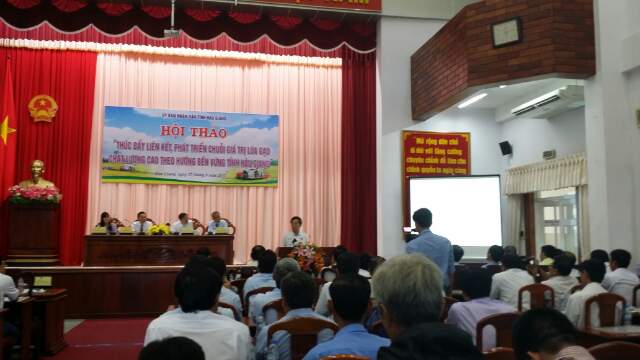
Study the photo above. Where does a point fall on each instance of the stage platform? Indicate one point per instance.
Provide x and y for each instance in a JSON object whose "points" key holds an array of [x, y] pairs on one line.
{"points": [[115, 291]]}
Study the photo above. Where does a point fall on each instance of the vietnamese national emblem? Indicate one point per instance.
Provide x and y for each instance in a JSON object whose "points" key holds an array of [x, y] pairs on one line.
{"points": [[42, 108]]}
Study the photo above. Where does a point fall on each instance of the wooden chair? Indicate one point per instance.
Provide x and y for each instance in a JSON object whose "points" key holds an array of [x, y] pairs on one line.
{"points": [[233, 308], [251, 293], [277, 306], [503, 323], [607, 307], [538, 296], [303, 332], [615, 350], [198, 225], [230, 225], [344, 357], [500, 354], [446, 305], [576, 288], [636, 298], [238, 284]]}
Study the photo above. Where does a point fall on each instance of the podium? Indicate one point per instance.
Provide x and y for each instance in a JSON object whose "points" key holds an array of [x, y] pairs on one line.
{"points": [[33, 234]]}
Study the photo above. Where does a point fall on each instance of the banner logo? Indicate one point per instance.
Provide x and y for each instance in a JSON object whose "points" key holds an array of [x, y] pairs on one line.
{"points": [[43, 108]]}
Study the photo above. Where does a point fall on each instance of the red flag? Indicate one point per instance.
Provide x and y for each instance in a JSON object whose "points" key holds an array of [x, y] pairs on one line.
{"points": [[8, 123]]}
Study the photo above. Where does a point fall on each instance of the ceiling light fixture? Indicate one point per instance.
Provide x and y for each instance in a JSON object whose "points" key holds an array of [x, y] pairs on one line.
{"points": [[502, 86], [472, 100]]}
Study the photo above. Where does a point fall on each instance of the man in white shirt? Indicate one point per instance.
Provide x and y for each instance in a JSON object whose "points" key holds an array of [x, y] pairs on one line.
{"points": [[348, 263], [494, 256], [264, 276], [601, 255], [283, 268], [561, 281], [295, 236], [298, 292], [7, 286], [591, 274], [506, 285], [182, 224], [197, 290], [141, 225], [620, 280], [227, 295], [216, 222]]}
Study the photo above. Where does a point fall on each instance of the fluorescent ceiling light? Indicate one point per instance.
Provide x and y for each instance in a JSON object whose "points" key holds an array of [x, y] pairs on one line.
{"points": [[503, 86], [472, 100]]}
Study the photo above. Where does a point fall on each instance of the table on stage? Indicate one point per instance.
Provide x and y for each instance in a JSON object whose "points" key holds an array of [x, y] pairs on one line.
{"points": [[152, 250]]}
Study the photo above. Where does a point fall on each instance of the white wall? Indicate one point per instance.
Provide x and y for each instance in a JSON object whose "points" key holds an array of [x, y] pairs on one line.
{"points": [[427, 9], [564, 133]]}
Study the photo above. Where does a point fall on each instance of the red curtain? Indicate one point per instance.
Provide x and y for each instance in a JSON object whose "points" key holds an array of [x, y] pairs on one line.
{"points": [[63, 144], [358, 219]]}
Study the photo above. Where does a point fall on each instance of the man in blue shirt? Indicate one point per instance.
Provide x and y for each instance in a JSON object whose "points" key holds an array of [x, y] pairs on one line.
{"points": [[350, 299], [264, 277], [436, 248]]}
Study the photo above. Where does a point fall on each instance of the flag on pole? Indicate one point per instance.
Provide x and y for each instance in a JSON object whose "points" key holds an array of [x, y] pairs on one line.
{"points": [[8, 123]]}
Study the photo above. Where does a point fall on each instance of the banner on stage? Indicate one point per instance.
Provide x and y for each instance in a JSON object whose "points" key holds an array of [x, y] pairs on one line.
{"points": [[153, 146], [435, 154]]}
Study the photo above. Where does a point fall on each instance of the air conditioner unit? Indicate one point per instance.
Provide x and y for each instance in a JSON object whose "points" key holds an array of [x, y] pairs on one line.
{"points": [[552, 103]]}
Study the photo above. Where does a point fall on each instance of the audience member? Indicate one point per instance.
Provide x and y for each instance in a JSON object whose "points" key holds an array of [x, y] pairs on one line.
{"points": [[409, 289], [283, 268], [365, 259], [620, 280], [510, 250], [573, 260], [476, 284], [256, 252], [298, 293], [505, 285], [458, 253], [197, 289], [375, 263], [173, 348], [560, 281], [542, 334], [204, 252], [7, 285], [264, 276], [227, 295], [547, 254], [602, 256], [348, 263], [591, 274], [494, 256], [437, 248], [350, 299]]}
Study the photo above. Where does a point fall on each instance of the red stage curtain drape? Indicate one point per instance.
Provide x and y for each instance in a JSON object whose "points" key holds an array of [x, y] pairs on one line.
{"points": [[68, 77], [359, 208]]}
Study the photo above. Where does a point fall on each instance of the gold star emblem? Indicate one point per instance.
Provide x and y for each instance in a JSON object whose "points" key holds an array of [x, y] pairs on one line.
{"points": [[5, 130], [43, 103]]}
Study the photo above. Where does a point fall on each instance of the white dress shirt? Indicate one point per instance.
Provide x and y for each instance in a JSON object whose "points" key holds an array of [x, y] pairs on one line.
{"points": [[290, 239], [575, 305], [137, 227], [505, 286], [230, 297], [257, 281], [176, 227], [621, 281], [220, 337], [7, 288], [258, 302], [322, 306], [561, 286], [364, 273], [213, 225]]}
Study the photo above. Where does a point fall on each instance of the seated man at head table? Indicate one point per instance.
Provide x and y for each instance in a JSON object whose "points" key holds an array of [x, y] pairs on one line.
{"points": [[183, 225], [216, 222], [296, 236], [142, 224]]}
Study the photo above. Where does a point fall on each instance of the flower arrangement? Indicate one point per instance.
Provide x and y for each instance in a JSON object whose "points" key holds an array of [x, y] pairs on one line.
{"points": [[34, 194], [309, 257], [160, 229]]}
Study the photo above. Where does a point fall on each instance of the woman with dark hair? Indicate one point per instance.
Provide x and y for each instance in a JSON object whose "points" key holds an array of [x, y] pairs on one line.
{"points": [[110, 224]]}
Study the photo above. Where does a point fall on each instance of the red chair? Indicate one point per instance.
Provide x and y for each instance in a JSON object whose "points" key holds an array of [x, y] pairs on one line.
{"points": [[503, 323], [447, 302], [303, 332], [277, 306], [607, 307], [500, 354], [538, 296], [615, 350]]}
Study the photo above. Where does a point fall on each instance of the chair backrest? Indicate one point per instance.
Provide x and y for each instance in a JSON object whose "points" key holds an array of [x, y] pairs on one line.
{"points": [[615, 350], [238, 284], [538, 296], [447, 302], [257, 291], [636, 298], [576, 288], [277, 306], [344, 357], [198, 225], [230, 225], [233, 308], [607, 306], [503, 323], [500, 353], [303, 332]]}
